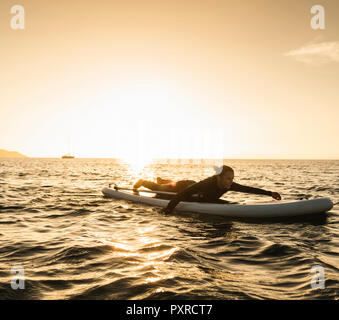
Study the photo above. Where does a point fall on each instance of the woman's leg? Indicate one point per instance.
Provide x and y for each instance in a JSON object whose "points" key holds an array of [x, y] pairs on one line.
{"points": [[168, 187], [157, 187], [164, 181]]}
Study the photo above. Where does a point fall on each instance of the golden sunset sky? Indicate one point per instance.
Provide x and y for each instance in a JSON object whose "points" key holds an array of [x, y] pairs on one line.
{"points": [[169, 79]]}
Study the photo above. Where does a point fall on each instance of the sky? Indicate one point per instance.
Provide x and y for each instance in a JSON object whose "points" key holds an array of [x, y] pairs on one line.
{"points": [[170, 79]]}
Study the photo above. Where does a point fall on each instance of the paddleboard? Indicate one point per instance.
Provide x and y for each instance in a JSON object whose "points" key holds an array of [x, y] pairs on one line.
{"points": [[270, 209]]}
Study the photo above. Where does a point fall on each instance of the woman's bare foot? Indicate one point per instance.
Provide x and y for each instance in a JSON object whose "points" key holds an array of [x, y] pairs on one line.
{"points": [[159, 180], [138, 184]]}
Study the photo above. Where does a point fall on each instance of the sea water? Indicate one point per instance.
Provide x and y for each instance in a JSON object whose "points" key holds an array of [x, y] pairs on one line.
{"points": [[70, 242]]}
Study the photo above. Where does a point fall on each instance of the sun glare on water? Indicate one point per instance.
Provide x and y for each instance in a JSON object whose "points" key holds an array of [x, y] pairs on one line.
{"points": [[137, 164]]}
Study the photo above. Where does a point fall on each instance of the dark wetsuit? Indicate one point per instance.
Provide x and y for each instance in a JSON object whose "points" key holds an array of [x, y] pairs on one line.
{"points": [[175, 187], [208, 190]]}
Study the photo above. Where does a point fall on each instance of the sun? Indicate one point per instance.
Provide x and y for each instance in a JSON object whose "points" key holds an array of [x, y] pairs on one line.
{"points": [[137, 164]]}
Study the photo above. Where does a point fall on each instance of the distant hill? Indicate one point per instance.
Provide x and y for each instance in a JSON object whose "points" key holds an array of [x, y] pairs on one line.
{"points": [[10, 154]]}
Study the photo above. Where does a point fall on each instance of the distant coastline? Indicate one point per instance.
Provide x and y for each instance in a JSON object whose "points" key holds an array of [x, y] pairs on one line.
{"points": [[11, 154]]}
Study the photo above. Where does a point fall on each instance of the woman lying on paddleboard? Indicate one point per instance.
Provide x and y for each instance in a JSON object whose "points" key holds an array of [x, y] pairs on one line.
{"points": [[207, 190]]}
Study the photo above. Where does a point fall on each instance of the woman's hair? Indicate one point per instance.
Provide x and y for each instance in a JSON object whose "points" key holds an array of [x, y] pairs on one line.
{"points": [[226, 169]]}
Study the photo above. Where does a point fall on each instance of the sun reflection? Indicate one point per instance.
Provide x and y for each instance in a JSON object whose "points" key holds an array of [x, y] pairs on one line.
{"points": [[150, 263], [146, 253], [145, 230], [152, 279], [147, 240], [117, 245], [163, 255], [127, 250], [137, 164], [144, 238]]}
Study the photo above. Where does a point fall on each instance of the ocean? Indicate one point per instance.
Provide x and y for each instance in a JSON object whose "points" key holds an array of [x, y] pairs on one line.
{"points": [[67, 241]]}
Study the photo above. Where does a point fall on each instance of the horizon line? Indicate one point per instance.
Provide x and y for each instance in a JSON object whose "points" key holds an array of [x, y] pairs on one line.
{"points": [[174, 159]]}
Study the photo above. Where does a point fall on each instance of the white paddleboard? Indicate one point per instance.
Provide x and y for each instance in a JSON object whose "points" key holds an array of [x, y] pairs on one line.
{"points": [[270, 209]]}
